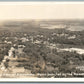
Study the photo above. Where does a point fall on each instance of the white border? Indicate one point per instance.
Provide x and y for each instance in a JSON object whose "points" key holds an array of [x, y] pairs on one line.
{"points": [[39, 3], [40, 79]]}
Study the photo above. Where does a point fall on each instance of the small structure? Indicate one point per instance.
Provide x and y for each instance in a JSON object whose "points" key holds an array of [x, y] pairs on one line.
{"points": [[37, 42], [24, 39], [72, 37]]}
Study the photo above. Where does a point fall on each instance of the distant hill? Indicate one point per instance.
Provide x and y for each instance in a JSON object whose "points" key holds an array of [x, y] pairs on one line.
{"points": [[41, 25]]}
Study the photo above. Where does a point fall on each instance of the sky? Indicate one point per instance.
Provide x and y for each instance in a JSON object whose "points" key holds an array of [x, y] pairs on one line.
{"points": [[41, 10]]}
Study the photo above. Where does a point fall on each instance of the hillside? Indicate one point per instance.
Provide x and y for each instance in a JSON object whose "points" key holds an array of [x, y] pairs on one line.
{"points": [[28, 48]]}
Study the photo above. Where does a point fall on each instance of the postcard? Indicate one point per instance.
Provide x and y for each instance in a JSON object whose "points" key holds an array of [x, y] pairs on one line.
{"points": [[42, 41]]}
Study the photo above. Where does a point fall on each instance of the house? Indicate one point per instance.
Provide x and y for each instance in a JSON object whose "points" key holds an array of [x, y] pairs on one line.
{"points": [[53, 45], [37, 42], [24, 39], [46, 42], [8, 42], [41, 36], [25, 34], [21, 46], [72, 37]]}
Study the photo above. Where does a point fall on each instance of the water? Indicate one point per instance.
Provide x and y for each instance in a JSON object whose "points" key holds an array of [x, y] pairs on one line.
{"points": [[78, 50], [76, 28]]}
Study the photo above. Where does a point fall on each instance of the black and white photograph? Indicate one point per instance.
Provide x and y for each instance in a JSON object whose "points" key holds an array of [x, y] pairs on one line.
{"points": [[41, 40]]}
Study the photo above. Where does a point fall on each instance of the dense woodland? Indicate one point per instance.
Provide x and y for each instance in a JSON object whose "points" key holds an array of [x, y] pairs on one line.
{"points": [[39, 58]]}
